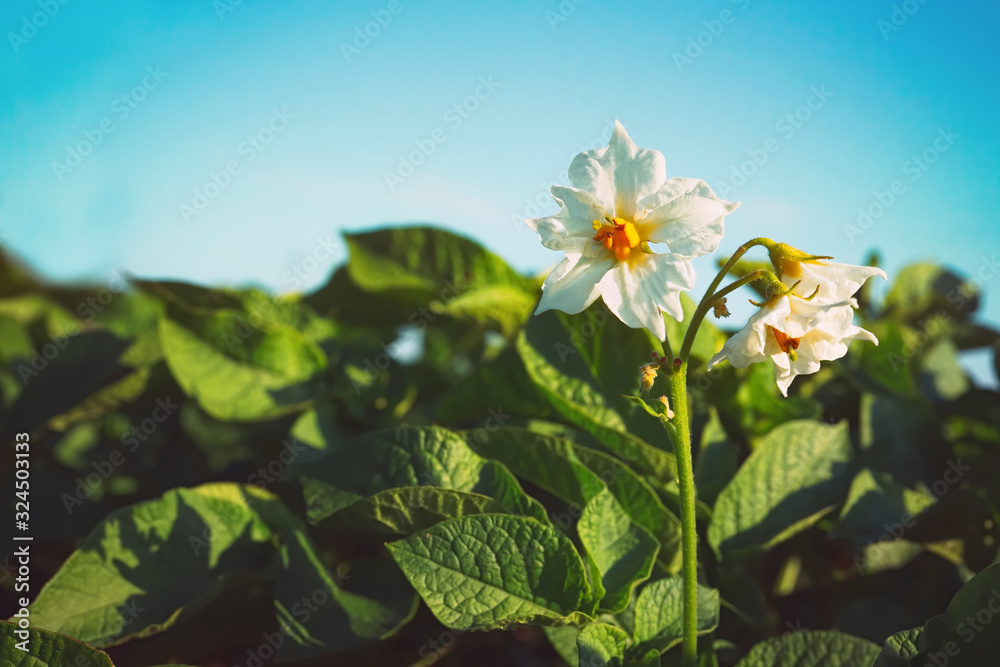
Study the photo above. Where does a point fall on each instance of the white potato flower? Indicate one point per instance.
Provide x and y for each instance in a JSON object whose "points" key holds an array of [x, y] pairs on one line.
{"points": [[834, 282], [796, 334], [620, 202]]}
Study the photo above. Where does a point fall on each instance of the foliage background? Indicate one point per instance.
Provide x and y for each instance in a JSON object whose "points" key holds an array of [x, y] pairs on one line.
{"points": [[805, 502]]}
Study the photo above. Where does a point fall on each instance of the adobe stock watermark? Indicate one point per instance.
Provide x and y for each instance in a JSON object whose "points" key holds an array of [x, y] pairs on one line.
{"points": [[697, 43], [121, 107], [533, 206], [967, 629], [563, 11], [291, 449], [248, 149], [913, 169], [454, 117], [786, 127], [899, 17], [302, 610], [366, 34], [321, 256], [31, 24]]}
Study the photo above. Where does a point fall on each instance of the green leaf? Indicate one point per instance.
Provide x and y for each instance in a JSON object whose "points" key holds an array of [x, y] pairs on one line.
{"points": [[798, 473], [942, 377], [403, 457], [872, 504], [46, 649], [581, 405], [576, 474], [886, 365], [921, 289], [409, 509], [811, 648], [763, 408], [602, 645], [964, 635], [110, 397], [238, 373], [659, 621], [623, 552], [563, 640], [717, 460], [496, 571], [151, 565], [610, 350], [417, 266], [82, 365], [899, 648]]}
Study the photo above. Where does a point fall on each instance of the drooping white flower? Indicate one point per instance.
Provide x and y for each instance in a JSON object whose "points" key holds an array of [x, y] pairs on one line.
{"points": [[621, 201], [796, 334], [834, 281]]}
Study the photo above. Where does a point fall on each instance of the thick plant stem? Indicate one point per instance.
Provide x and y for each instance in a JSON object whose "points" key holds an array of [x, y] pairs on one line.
{"points": [[689, 535]]}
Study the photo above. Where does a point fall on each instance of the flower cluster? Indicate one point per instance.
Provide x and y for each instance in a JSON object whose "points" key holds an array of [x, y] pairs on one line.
{"points": [[629, 234]]}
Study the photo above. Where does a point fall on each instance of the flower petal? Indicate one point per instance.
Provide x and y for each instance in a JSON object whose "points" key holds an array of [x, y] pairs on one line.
{"points": [[639, 291], [835, 281], [620, 174], [572, 228], [750, 344], [686, 215], [834, 319], [574, 284]]}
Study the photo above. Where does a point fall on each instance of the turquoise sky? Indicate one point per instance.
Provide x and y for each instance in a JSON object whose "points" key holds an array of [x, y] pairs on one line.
{"points": [[837, 101]]}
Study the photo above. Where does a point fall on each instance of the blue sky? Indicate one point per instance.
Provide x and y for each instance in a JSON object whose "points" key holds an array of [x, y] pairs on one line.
{"points": [[300, 116]]}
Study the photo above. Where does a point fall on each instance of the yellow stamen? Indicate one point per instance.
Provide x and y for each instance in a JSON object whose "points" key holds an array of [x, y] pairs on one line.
{"points": [[618, 237]]}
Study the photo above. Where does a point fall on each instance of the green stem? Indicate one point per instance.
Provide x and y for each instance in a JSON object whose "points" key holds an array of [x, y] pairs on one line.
{"points": [[709, 301], [689, 535], [681, 436], [710, 297]]}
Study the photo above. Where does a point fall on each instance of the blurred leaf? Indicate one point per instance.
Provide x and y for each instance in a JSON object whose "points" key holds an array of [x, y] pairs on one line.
{"points": [[886, 365], [717, 460], [960, 636], [238, 373], [798, 473], [659, 614], [496, 571], [874, 504], [46, 649], [106, 399], [762, 408], [897, 436], [812, 648], [601, 645], [444, 272], [57, 382], [941, 376], [920, 289]]}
